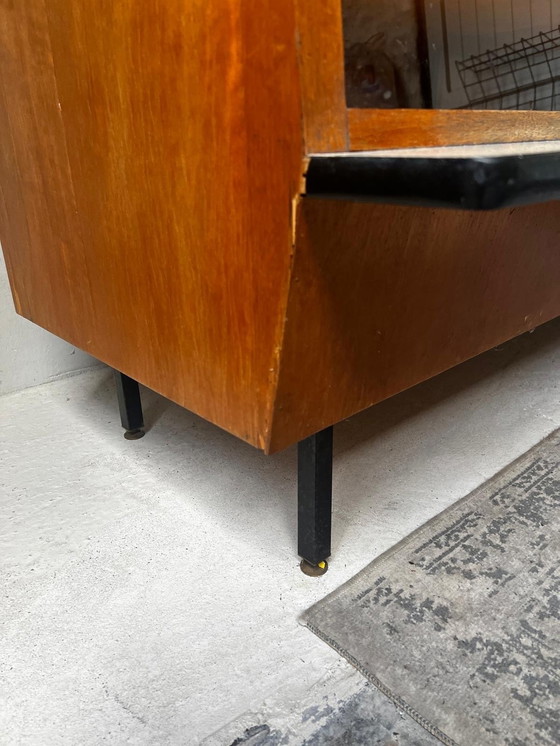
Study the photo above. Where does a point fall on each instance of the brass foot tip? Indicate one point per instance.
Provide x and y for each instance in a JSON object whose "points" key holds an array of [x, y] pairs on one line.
{"points": [[314, 571]]}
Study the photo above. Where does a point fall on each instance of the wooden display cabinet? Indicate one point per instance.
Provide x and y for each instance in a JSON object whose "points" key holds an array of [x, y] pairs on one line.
{"points": [[155, 213]]}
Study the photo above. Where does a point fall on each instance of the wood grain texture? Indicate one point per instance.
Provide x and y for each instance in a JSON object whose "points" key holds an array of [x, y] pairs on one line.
{"points": [[371, 129], [41, 234], [151, 155], [150, 167], [383, 298], [321, 64]]}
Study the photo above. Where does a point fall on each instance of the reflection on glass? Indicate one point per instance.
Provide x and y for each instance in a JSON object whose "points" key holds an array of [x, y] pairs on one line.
{"points": [[449, 54]]}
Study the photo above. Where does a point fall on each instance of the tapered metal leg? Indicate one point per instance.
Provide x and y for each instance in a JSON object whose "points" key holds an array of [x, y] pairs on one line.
{"points": [[130, 406], [315, 455]]}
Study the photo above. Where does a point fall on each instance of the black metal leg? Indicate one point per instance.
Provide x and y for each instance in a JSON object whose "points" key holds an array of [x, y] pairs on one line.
{"points": [[315, 456], [130, 406]]}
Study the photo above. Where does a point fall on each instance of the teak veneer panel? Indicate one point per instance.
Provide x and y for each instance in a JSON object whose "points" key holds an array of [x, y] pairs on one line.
{"points": [[321, 63], [41, 233], [151, 153], [151, 165], [371, 129], [385, 297]]}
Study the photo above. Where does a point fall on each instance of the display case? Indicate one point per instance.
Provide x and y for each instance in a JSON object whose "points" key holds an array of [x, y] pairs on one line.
{"points": [[207, 197], [446, 62]]}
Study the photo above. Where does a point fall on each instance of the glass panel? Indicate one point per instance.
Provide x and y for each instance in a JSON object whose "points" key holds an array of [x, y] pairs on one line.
{"points": [[452, 54]]}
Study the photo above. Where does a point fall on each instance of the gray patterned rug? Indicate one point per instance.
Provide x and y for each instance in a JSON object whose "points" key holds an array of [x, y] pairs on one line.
{"points": [[459, 623]]}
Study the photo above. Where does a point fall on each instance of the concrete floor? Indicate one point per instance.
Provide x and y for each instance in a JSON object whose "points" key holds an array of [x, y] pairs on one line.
{"points": [[151, 589]]}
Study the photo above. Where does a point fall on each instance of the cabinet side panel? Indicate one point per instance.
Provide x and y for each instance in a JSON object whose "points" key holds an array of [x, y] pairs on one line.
{"points": [[383, 298], [182, 124], [40, 230]]}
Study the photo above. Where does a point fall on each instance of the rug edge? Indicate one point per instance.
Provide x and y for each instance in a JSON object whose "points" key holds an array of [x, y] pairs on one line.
{"points": [[378, 684]]}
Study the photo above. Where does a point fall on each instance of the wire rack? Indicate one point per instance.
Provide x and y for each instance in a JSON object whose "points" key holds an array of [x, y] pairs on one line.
{"points": [[522, 75]]}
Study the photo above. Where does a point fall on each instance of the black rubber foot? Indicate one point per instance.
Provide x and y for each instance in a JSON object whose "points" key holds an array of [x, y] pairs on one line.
{"points": [[134, 434], [313, 571]]}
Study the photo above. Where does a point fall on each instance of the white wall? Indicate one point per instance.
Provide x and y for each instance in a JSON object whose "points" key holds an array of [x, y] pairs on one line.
{"points": [[28, 354]]}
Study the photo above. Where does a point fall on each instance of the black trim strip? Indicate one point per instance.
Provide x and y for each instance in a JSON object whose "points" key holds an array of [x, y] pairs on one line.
{"points": [[457, 183]]}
